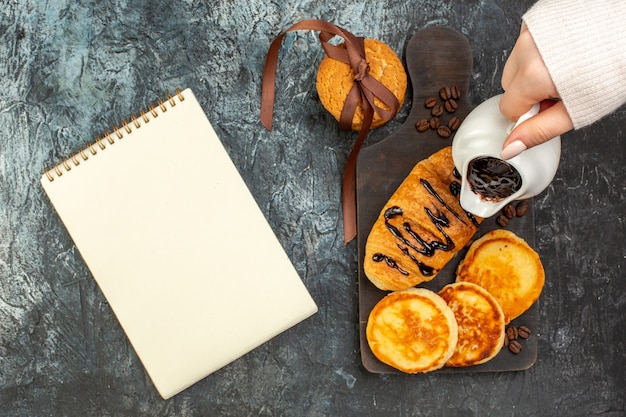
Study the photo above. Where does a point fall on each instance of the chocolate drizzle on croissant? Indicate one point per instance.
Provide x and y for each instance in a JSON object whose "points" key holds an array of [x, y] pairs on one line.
{"points": [[440, 221], [420, 228]]}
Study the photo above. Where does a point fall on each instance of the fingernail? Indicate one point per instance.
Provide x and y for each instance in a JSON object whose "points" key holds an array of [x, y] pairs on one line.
{"points": [[513, 149]]}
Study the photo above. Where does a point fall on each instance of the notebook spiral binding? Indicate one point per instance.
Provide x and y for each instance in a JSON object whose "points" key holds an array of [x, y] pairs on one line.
{"points": [[111, 137]]}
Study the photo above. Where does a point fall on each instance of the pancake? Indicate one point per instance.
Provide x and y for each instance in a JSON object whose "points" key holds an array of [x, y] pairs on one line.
{"points": [[480, 320], [412, 330], [420, 228], [505, 265]]}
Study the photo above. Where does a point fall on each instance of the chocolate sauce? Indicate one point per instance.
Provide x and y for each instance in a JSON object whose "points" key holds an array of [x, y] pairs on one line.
{"points": [[432, 192], [379, 257], [455, 188], [436, 216], [425, 270], [439, 219], [472, 218], [493, 179]]}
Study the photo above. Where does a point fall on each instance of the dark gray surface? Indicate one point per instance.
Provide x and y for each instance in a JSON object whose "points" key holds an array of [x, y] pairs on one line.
{"points": [[68, 71]]}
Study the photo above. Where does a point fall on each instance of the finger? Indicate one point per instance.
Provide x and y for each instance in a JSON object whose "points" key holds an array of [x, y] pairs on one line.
{"points": [[516, 100], [546, 125], [511, 67]]}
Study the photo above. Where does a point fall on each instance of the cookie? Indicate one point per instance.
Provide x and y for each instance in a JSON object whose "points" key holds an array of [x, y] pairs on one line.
{"points": [[335, 80]]}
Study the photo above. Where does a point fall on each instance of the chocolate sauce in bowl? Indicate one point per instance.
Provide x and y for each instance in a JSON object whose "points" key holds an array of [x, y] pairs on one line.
{"points": [[493, 179]]}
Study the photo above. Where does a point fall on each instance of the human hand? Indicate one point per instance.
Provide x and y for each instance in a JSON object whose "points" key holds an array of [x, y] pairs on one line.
{"points": [[526, 81]]}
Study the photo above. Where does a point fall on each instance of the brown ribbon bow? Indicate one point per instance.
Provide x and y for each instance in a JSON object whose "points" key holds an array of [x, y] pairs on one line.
{"points": [[365, 89]]}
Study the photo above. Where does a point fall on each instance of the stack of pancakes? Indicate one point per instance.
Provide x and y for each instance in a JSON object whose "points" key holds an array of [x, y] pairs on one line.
{"points": [[418, 330]]}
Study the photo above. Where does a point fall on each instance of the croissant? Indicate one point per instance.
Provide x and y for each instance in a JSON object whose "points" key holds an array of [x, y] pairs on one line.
{"points": [[420, 228]]}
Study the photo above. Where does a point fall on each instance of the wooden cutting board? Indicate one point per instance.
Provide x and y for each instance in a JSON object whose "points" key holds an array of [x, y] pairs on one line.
{"points": [[435, 57]]}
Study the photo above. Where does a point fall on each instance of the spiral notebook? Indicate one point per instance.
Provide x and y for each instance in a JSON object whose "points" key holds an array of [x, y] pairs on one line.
{"points": [[177, 244]]}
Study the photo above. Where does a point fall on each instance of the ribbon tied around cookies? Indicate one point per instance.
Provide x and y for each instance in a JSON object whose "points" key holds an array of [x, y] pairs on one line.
{"points": [[365, 90]]}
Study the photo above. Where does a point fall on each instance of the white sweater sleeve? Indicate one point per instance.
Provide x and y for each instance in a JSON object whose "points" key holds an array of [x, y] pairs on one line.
{"points": [[583, 44]]}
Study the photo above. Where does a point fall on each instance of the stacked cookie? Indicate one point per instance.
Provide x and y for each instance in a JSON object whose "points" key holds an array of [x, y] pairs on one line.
{"points": [[335, 80]]}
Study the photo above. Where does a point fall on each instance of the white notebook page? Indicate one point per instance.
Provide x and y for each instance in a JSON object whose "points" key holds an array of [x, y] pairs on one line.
{"points": [[178, 246]]}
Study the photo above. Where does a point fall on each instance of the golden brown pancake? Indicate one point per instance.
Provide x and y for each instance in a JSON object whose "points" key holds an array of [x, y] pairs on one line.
{"points": [[480, 320], [505, 265], [420, 228], [412, 330]]}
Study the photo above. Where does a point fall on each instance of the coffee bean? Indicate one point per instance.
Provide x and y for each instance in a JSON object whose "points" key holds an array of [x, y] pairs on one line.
{"points": [[515, 346], [454, 123], [509, 211], [450, 105], [430, 102], [502, 220], [524, 332], [455, 92], [521, 208], [512, 332], [445, 93], [444, 131], [506, 341], [434, 122], [437, 110], [422, 125]]}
